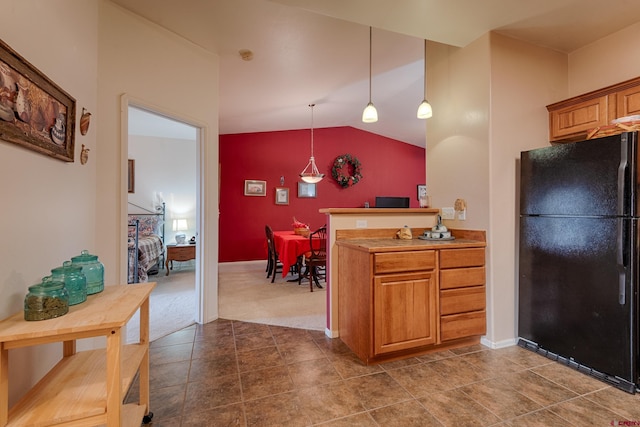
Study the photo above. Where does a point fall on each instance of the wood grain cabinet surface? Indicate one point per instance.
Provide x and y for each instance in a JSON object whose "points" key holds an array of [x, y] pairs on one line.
{"points": [[412, 299], [572, 119]]}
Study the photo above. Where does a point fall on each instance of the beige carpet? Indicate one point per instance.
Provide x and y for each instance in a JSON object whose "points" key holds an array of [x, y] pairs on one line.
{"points": [[171, 305], [244, 294]]}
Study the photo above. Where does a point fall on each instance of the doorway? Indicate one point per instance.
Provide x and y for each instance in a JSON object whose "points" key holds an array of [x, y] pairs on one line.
{"points": [[164, 151]]}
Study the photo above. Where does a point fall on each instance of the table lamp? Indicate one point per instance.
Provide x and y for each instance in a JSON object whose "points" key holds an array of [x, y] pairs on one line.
{"points": [[180, 225]]}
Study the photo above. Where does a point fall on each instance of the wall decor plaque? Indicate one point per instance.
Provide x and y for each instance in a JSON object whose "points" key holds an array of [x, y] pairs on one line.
{"points": [[34, 112]]}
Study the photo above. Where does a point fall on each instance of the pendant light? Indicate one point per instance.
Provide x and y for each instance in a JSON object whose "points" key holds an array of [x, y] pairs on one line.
{"points": [[370, 114], [310, 173], [424, 109]]}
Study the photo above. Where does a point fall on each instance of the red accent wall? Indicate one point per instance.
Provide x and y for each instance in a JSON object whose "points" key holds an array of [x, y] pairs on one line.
{"points": [[389, 168]]}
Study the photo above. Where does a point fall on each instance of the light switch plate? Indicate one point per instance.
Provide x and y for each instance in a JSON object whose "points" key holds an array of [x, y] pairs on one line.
{"points": [[448, 213], [361, 223]]}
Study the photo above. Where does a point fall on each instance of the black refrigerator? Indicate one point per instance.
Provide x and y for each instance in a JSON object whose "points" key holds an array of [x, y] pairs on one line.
{"points": [[578, 260]]}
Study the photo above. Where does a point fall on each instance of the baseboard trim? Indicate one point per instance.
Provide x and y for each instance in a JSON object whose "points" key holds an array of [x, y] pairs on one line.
{"points": [[498, 344], [331, 334]]}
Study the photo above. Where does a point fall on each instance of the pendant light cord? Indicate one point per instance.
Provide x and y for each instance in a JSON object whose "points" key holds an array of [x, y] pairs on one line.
{"points": [[370, 59], [312, 105], [425, 69]]}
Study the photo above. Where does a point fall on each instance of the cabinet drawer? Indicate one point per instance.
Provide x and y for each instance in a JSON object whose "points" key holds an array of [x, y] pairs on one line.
{"points": [[462, 277], [395, 262], [463, 325], [452, 258], [453, 301], [183, 253]]}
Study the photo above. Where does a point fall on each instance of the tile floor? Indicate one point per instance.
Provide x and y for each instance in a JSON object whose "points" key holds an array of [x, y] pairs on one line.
{"points": [[230, 373]]}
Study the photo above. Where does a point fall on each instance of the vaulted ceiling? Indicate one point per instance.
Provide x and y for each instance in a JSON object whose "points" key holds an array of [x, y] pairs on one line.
{"points": [[310, 51]]}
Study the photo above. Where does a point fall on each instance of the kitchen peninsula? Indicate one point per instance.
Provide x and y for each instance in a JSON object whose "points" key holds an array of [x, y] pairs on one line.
{"points": [[400, 297]]}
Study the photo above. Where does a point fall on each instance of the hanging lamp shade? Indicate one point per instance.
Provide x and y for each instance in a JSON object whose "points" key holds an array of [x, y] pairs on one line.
{"points": [[424, 109], [370, 114], [310, 174]]}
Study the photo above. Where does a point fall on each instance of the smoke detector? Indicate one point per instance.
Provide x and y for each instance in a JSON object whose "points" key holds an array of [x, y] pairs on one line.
{"points": [[246, 54]]}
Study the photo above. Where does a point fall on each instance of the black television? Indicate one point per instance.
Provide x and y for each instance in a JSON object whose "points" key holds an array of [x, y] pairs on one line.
{"points": [[392, 202]]}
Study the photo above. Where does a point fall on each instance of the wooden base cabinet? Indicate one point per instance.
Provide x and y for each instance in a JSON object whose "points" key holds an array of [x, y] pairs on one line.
{"points": [[392, 303], [85, 388], [462, 293], [405, 313]]}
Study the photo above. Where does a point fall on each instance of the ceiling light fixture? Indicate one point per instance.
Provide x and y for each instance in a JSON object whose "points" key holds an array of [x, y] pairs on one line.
{"points": [[310, 173], [370, 114], [424, 109]]}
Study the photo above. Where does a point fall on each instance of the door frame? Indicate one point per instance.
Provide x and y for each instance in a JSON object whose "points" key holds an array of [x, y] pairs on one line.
{"points": [[203, 310]]}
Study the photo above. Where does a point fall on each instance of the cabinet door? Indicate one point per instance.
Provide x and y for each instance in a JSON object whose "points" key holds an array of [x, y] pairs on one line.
{"points": [[579, 118], [404, 312], [628, 102]]}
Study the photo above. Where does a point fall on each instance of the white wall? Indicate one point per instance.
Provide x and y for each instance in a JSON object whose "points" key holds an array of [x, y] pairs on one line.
{"points": [[166, 166], [489, 104], [524, 79], [167, 74], [49, 206], [607, 61]]}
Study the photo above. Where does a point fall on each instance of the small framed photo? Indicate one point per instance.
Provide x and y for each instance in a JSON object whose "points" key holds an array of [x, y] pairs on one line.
{"points": [[306, 190], [282, 196], [422, 191], [255, 188], [131, 174]]}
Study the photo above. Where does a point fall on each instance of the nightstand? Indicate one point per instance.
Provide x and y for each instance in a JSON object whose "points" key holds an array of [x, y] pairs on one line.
{"points": [[179, 253]]}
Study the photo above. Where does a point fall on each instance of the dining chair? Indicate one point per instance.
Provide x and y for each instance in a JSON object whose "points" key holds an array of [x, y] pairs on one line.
{"points": [[315, 261], [273, 262]]}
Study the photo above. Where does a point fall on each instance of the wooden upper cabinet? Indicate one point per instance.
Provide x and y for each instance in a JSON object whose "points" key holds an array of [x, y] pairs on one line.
{"points": [[573, 119], [628, 103], [579, 118]]}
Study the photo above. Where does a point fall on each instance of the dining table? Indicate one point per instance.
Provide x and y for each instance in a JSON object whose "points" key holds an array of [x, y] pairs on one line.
{"points": [[290, 246]]}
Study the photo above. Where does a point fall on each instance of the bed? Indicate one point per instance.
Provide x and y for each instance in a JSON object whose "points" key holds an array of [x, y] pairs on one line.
{"points": [[145, 243]]}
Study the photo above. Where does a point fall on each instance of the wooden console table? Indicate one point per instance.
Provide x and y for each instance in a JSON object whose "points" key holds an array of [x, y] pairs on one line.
{"points": [[85, 388]]}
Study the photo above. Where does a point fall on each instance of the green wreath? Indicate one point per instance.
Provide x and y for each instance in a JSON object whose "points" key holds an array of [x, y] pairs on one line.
{"points": [[340, 171]]}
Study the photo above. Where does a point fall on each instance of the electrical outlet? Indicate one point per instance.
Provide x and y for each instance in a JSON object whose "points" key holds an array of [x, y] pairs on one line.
{"points": [[448, 213], [361, 223], [462, 215]]}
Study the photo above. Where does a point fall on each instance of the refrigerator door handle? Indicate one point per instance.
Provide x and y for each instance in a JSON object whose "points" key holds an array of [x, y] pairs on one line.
{"points": [[622, 174], [620, 239], [622, 294], [622, 259]]}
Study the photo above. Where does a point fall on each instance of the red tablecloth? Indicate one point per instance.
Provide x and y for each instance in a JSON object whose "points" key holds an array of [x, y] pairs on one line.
{"points": [[290, 246]]}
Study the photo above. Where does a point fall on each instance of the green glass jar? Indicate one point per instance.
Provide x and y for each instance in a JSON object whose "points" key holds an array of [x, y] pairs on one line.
{"points": [[74, 280], [92, 269], [46, 300]]}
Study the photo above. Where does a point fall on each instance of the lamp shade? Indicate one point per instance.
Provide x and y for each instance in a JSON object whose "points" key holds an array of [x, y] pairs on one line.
{"points": [[180, 225], [424, 110], [370, 114]]}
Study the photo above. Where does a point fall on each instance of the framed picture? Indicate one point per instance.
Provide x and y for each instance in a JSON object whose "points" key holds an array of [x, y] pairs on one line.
{"points": [[255, 188], [34, 112], [422, 191], [131, 175], [282, 196], [306, 190]]}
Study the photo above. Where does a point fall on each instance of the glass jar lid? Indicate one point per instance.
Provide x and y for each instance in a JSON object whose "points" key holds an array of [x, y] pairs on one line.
{"points": [[84, 256], [67, 268]]}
